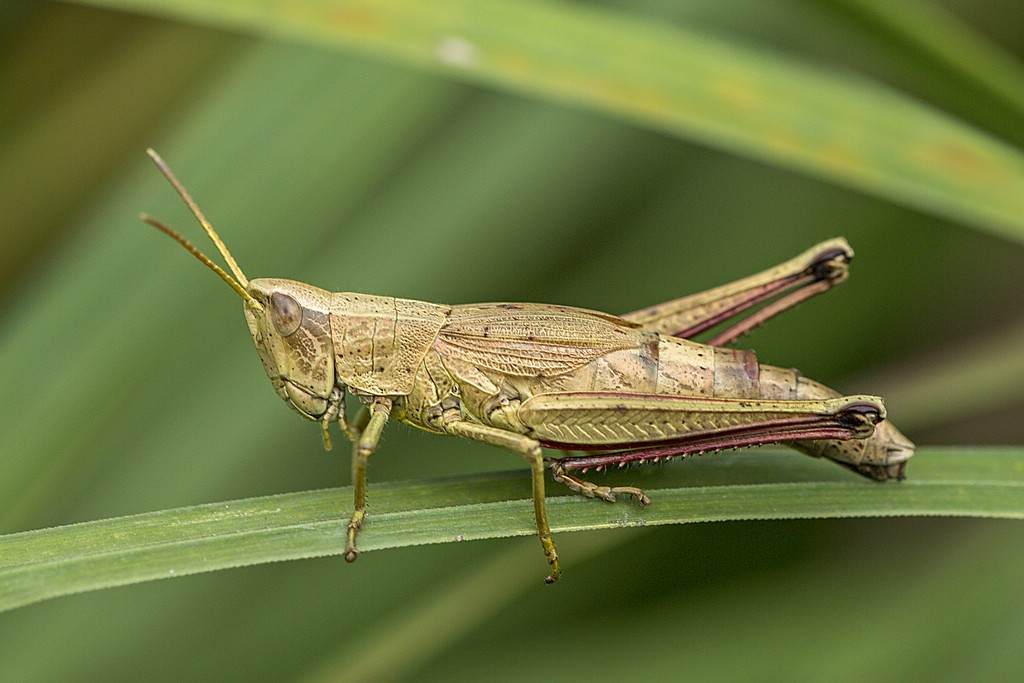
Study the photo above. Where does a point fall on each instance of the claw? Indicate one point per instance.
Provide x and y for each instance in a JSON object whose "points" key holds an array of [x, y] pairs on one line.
{"points": [[354, 525]]}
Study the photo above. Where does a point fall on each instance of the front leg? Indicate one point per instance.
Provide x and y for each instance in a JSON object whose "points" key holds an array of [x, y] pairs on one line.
{"points": [[369, 426]]}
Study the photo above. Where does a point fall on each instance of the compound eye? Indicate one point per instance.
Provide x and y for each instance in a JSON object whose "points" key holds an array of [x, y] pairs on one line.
{"points": [[285, 313]]}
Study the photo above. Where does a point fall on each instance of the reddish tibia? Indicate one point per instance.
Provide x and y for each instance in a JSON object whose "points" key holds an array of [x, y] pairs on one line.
{"points": [[809, 274]]}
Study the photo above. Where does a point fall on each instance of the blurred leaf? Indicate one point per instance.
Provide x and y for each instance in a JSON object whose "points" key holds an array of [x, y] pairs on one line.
{"points": [[939, 33], [975, 377], [717, 91], [52, 562], [59, 75]]}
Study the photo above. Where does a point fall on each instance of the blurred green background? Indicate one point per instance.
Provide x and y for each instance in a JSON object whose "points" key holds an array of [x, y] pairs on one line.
{"points": [[130, 385]]}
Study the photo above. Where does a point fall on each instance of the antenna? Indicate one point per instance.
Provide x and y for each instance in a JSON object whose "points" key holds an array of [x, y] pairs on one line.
{"points": [[239, 283]]}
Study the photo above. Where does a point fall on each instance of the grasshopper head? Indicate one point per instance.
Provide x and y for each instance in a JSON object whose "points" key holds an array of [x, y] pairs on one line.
{"points": [[289, 321], [292, 332]]}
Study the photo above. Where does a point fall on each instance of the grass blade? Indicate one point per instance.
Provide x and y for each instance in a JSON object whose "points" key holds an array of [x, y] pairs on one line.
{"points": [[51, 562]]}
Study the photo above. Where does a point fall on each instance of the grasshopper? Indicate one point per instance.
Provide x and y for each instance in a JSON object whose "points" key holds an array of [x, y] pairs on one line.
{"points": [[621, 389]]}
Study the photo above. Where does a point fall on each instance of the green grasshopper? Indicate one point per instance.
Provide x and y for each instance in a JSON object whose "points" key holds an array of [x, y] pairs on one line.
{"points": [[622, 389]]}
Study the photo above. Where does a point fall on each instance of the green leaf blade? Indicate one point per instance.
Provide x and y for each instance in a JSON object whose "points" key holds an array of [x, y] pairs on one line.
{"points": [[49, 563]]}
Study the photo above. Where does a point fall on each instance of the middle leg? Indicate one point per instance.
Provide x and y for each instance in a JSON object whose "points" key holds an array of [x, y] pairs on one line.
{"points": [[531, 450]]}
